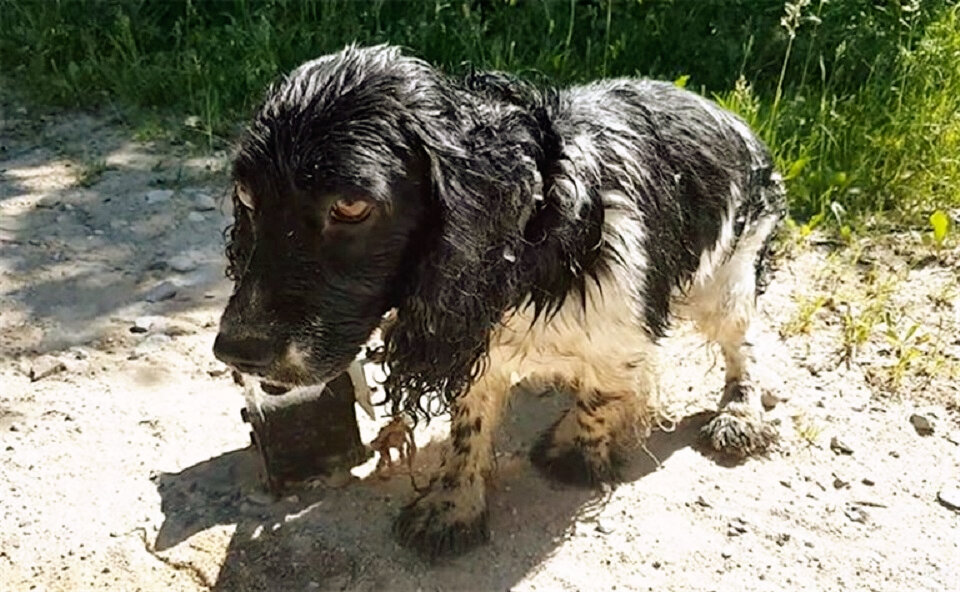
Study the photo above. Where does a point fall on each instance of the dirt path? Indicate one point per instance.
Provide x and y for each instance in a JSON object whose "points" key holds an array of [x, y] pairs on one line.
{"points": [[127, 467]]}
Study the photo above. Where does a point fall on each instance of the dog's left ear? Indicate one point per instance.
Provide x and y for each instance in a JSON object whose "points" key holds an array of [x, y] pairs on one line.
{"points": [[484, 184]]}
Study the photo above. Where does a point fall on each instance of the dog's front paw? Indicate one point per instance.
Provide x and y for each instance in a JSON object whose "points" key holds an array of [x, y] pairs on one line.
{"points": [[739, 433], [577, 462], [444, 522]]}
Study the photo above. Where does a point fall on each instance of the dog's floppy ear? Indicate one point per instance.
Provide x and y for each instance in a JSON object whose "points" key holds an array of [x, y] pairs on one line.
{"points": [[484, 183]]}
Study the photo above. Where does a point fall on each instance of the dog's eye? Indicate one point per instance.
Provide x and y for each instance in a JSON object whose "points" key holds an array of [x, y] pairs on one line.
{"points": [[244, 196], [350, 210]]}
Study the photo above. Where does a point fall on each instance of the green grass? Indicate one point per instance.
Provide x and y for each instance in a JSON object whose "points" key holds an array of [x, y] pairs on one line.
{"points": [[860, 99]]}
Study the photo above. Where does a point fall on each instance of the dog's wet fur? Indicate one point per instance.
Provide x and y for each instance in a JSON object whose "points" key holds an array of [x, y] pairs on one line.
{"points": [[518, 233]]}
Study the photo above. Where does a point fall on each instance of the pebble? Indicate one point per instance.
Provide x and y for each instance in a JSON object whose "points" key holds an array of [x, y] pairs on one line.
{"points": [[856, 514], [142, 324], [159, 196], [839, 446], [922, 424], [702, 502], [726, 553], [160, 292], [45, 366], [195, 217], [840, 482], [182, 263], [954, 437], [736, 527], [783, 538], [604, 528], [204, 203], [949, 497]]}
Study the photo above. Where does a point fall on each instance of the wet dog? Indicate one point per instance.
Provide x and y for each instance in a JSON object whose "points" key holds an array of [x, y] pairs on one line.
{"points": [[517, 232]]}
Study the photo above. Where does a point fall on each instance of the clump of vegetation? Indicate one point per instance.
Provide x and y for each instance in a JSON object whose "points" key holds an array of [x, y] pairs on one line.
{"points": [[859, 100]]}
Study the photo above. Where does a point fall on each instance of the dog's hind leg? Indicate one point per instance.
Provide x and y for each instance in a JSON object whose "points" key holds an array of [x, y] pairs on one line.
{"points": [[450, 516], [723, 308], [587, 445]]}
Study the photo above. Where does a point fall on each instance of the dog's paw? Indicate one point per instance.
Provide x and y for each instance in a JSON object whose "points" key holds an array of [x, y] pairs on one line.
{"points": [[576, 463], [443, 523], [739, 434]]}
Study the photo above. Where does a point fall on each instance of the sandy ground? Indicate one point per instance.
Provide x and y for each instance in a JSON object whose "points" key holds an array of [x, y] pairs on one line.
{"points": [[128, 466]]}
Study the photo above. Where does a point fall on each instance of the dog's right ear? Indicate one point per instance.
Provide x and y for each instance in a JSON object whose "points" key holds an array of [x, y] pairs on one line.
{"points": [[483, 184]]}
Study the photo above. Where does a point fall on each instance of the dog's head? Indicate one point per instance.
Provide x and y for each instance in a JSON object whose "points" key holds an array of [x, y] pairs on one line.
{"points": [[366, 182]]}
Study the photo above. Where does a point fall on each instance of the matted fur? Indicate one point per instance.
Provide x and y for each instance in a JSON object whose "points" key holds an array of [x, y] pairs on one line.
{"points": [[520, 233]]}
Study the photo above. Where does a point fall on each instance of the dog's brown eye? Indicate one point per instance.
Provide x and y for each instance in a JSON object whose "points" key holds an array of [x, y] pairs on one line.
{"points": [[348, 210], [244, 196]]}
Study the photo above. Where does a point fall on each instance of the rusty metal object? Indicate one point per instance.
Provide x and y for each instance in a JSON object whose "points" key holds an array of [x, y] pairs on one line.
{"points": [[305, 433]]}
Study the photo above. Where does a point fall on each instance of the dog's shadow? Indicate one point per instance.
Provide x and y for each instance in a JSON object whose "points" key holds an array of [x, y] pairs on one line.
{"points": [[339, 538]]}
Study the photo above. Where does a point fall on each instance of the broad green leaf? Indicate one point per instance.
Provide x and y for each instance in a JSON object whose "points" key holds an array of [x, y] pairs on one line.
{"points": [[941, 224], [797, 167]]}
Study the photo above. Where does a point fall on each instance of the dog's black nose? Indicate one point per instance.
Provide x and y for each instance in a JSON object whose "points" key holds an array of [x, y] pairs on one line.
{"points": [[247, 354]]}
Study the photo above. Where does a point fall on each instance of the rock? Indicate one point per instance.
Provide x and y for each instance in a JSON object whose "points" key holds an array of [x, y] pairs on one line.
{"points": [[922, 424], [840, 482], [195, 217], [953, 437], [182, 263], [160, 292], [949, 497], [868, 482], [726, 553], [604, 528], [736, 527], [702, 502], [45, 366], [159, 196], [856, 514], [202, 202], [783, 538], [142, 324], [839, 446]]}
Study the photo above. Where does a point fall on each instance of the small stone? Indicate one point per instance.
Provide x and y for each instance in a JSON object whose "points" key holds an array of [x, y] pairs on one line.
{"points": [[949, 497], [204, 203], [783, 538], [856, 514], [868, 482], [839, 446], [195, 217], [702, 502], [922, 424], [159, 196], [182, 263], [45, 366], [160, 292], [604, 528], [840, 482], [726, 553], [954, 437], [736, 527], [292, 499], [142, 324]]}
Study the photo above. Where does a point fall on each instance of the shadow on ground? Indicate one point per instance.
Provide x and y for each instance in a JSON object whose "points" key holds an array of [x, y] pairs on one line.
{"points": [[339, 538]]}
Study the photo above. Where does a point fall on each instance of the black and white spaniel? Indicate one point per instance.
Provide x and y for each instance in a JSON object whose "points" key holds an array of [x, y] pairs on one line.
{"points": [[519, 233]]}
